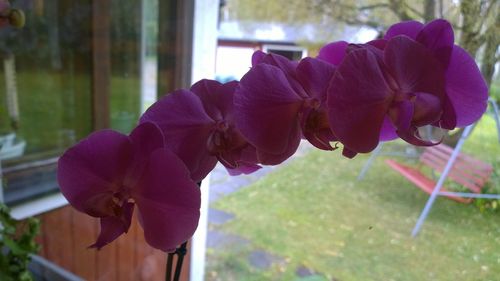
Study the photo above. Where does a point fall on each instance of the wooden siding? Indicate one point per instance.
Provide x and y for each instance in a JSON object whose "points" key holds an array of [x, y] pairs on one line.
{"points": [[66, 234]]}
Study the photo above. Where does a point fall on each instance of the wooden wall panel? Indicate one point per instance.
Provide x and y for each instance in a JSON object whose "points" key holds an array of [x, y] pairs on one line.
{"points": [[125, 254], [106, 263], [144, 264], [66, 235], [57, 237], [84, 234]]}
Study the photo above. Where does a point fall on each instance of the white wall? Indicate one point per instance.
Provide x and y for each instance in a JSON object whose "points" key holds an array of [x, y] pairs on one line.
{"points": [[203, 66]]}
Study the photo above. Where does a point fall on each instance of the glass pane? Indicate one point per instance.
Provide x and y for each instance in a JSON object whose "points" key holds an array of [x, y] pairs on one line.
{"points": [[79, 66], [75, 67], [45, 91], [322, 216], [125, 33]]}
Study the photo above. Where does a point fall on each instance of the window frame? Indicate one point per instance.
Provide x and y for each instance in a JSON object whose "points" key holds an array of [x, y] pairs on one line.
{"points": [[174, 51], [282, 47]]}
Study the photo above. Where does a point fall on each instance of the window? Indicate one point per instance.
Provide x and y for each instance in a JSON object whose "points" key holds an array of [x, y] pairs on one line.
{"points": [[78, 66], [289, 51]]}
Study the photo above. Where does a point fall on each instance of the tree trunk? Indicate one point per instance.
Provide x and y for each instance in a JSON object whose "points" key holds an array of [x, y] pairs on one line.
{"points": [[429, 10], [469, 39], [492, 40]]}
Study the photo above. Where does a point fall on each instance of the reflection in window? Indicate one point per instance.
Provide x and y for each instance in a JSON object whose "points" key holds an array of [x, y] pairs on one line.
{"points": [[45, 99], [75, 67]]}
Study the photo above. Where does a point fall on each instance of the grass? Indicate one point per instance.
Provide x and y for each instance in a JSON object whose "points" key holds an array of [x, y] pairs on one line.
{"points": [[313, 212], [55, 109]]}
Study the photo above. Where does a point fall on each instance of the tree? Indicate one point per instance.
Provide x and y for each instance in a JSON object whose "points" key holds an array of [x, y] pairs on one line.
{"points": [[477, 21]]}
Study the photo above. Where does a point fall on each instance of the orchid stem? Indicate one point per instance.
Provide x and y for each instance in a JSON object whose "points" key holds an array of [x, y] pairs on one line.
{"points": [[180, 252], [168, 274]]}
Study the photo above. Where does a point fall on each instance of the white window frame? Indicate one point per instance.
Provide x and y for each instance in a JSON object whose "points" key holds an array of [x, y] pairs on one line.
{"points": [[280, 47], [204, 47]]}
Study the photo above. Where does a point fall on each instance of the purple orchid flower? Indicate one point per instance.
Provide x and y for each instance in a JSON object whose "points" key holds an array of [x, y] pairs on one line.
{"points": [[466, 89], [4, 13], [108, 173], [199, 127], [10, 16], [279, 101], [413, 77]]}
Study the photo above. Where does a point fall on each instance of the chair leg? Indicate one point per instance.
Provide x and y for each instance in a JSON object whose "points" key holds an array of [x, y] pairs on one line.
{"points": [[370, 160], [439, 184]]}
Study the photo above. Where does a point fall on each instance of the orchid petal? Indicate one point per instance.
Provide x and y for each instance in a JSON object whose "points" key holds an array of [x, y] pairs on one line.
{"points": [[281, 62], [113, 227], [333, 52], [206, 90], [409, 28], [438, 37], [289, 69], [243, 168], [267, 109], [378, 43], [466, 88], [388, 131], [318, 141], [448, 119], [4, 12], [278, 158], [257, 57], [428, 109], [314, 75], [346, 152], [358, 100], [233, 145], [403, 113], [414, 67], [186, 127], [413, 137], [217, 98], [226, 100], [146, 138], [248, 154], [168, 201], [93, 169], [316, 129], [4, 6], [243, 160], [376, 47]]}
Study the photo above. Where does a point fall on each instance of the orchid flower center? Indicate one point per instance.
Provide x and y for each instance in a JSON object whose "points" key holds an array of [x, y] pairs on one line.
{"points": [[107, 204], [221, 125], [312, 103], [118, 200], [224, 138], [317, 120], [219, 139]]}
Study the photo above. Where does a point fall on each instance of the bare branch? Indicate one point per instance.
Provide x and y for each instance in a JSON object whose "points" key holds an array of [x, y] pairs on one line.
{"points": [[488, 10], [398, 7], [356, 21], [415, 11], [373, 6]]}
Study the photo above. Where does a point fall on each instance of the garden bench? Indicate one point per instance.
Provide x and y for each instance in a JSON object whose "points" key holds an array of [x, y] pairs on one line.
{"points": [[466, 171]]}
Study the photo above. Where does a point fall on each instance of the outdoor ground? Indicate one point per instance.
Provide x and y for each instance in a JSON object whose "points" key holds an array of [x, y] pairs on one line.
{"points": [[310, 220]]}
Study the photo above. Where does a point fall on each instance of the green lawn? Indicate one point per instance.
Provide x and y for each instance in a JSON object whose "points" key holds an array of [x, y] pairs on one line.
{"points": [[313, 212], [55, 109]]}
